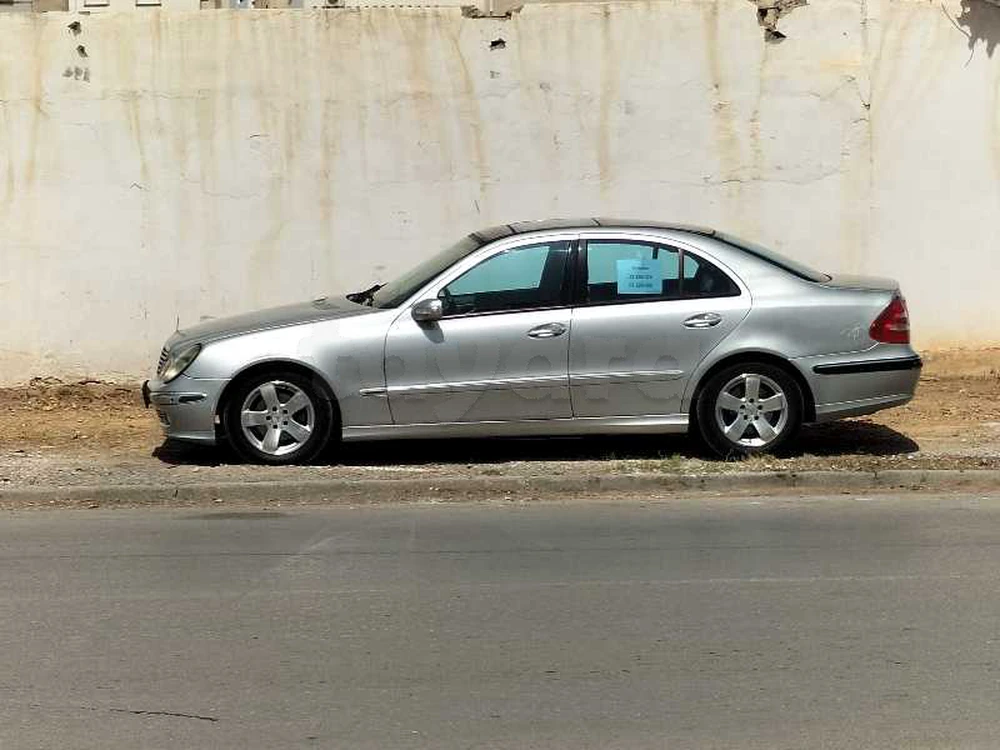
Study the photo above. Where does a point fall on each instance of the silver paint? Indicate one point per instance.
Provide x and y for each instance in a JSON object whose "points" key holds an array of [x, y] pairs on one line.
{"points": [[632, 367]]}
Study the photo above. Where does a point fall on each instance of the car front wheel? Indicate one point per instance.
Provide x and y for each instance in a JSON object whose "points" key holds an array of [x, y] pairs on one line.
{"points": [[278, 418], [748, 409]]}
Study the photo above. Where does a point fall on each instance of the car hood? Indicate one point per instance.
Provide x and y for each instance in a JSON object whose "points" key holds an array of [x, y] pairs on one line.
{"points": [[325, 308]]}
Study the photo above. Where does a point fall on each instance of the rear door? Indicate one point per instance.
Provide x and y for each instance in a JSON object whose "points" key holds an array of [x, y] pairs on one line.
{"points": [[648, 311]]}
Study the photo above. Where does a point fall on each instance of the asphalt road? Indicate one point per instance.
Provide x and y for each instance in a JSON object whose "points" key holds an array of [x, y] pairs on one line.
{"points": [[781, 623]]}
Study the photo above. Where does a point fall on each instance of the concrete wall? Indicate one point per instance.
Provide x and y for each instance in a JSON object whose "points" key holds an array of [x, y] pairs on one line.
{"points": [[206, 163]]}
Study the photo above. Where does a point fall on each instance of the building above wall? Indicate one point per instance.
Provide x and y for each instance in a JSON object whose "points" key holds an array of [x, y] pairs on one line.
{"points": [[7, 6], [118, 6], [484, 8]]}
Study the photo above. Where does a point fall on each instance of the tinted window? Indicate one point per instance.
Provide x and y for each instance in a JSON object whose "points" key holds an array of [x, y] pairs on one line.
{"points": [[631, 271], [522, 278], [702, 279], [639, 271], [775, 259]]}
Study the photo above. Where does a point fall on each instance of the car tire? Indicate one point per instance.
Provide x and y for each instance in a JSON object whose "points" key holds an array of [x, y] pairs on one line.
{"points": [[748, 409], [279, 418]]}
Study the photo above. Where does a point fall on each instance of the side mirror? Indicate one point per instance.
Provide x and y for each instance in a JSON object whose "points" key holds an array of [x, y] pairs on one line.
{"points": [[427, 311]]}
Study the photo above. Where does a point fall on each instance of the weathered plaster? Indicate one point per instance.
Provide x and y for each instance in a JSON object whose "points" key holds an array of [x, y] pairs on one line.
{"points": [[205, 163]]}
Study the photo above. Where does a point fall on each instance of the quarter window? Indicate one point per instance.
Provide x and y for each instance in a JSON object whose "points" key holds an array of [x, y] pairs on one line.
{"points": [[702, 279], [523, 278]]}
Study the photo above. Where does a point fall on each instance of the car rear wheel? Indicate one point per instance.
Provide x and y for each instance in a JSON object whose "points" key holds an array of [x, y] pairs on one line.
{"points": [[278, 418], [749, 408]]}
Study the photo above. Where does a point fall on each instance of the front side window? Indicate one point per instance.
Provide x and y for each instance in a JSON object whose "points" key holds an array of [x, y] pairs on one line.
{"points": [[523, 278]]}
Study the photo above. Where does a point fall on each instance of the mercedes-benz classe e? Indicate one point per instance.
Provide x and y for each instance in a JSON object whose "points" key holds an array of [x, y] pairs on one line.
{"points": [[561, 327]]}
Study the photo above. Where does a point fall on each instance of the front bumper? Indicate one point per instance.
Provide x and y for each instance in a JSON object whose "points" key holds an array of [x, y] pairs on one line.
{"points": [[186, 407]]}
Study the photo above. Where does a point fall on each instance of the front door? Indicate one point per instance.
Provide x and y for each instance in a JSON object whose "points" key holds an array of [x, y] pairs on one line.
{"points": [[500, 351], [649, 314]]}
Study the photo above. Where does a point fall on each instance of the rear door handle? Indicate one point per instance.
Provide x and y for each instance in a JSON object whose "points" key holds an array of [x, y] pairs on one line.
{"points": [[704, 320], [547, 331]]}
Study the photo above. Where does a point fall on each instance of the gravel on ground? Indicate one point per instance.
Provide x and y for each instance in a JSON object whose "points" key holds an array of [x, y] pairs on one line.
{"points": [[74, 434]]}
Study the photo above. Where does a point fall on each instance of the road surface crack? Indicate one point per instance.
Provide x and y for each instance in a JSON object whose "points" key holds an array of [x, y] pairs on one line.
{"points": [[134, 712], [138, 712]]}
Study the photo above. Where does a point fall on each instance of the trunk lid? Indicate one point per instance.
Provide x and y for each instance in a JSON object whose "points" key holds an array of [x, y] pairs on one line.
{"points": [[863, 283]]}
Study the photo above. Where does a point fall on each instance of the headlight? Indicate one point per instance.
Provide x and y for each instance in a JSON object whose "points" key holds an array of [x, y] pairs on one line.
{"points": [[178, 363]]}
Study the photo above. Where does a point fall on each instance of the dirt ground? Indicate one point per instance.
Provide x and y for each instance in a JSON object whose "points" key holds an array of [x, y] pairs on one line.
{"points": [[62, 433]]}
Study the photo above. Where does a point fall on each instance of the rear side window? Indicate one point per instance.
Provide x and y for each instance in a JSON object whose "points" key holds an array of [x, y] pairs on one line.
{"points": [[624, 271], [631, 271]]}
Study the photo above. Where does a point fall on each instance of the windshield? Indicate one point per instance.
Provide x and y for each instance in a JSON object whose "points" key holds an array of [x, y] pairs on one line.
{"points": [[775, 259], [396, 292]]}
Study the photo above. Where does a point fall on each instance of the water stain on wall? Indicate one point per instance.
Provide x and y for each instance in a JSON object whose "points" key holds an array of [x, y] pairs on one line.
{"points": [[39, 63], [10, 164], [206, 143], [994, 135], [471, 119], [724, 119], [980, 19], [607, 98]]}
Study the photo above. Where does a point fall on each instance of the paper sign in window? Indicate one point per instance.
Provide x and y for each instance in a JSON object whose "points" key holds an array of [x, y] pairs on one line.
{"points": [[637, 276]]}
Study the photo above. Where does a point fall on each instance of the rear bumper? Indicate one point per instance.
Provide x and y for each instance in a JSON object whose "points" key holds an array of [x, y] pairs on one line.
{"points": [[854, 388], [185, 407], [860, 407], [890, 364]]}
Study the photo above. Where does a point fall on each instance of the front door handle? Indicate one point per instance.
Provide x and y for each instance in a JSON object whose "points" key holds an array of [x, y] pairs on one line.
{"points": [[705, 320], [547, 331]]}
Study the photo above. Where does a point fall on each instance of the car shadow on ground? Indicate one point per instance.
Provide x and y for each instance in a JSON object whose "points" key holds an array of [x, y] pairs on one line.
{"points": [[832, 440]]}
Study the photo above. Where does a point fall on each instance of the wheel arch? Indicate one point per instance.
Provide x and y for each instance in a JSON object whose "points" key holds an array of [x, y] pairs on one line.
{"points": [[808, 399], [271, 365]]}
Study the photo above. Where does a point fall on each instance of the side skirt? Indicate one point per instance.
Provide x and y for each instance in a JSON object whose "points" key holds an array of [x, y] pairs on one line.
{"points": [[665, 423]]}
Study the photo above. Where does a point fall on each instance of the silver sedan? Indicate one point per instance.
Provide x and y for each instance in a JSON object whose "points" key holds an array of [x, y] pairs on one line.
{"points": [[549, 328]]}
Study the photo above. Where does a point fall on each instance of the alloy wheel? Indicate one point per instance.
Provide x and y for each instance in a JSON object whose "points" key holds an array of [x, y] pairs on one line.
{"points": [[751, 410], [277, 417]]}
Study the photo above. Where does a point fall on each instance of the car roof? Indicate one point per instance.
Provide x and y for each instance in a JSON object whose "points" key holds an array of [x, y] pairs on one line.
{"points": [[490, 234]]}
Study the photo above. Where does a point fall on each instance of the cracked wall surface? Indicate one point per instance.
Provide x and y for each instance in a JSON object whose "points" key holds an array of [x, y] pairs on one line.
{"points": [[210, 163], [769, 12]]}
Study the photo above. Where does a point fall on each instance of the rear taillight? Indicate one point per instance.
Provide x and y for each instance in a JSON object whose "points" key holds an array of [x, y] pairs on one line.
{"points": [[892, 326]]}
